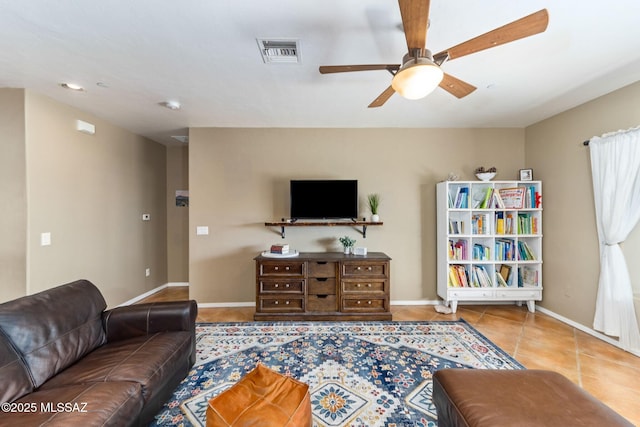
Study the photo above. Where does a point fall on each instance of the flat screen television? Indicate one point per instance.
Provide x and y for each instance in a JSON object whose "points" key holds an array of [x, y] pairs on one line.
{"points": [[324, 199]]}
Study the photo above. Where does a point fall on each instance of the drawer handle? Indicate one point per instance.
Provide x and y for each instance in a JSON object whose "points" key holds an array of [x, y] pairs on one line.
{"points": [[358, 285], [358, 268], [287, 302], [286, 286], [369, 268], [358, 302], [368, 285], [369, 302], [276, 268], [286, 268], [276, 286], [276, 302], [321, 279], [322, 262]]}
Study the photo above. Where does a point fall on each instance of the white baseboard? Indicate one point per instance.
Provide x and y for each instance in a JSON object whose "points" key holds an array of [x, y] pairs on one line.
{"points": [[550, 313], [226, 304], [585, 329], [415, 302], [151, 292]]}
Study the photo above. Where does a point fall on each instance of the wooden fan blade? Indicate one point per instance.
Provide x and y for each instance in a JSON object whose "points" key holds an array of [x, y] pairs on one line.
{"points": [[455, 86], [415, 19], [327, 69], [524, 27], [382, 98]]}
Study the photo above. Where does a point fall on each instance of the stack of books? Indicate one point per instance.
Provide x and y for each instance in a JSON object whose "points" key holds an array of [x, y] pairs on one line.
{"points": [[280, 249]]}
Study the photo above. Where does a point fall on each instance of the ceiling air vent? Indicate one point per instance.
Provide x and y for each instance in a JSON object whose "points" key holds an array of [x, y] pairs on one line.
{"points": [[279, 50]]}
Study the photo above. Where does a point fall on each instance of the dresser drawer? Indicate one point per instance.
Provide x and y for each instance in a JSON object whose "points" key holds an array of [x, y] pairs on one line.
{"points": [[364, 268], [364, 304], [283, 285], [324, 303], [281, 304], [365, 285], [321, 286], [281, 268], [322, 269]]}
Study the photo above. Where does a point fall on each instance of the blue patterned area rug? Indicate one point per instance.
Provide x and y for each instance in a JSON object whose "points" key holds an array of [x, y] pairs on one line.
{"points": [[359, 373]]}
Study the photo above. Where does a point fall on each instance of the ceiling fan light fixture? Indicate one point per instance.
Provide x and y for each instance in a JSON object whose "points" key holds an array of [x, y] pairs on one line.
{"points": [[417, 78]]}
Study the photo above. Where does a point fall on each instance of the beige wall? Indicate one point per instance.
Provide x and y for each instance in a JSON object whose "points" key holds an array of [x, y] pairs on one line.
{"points": [[554, 150], [13, 202], [177, 217], [90, 193], [239, 179]]}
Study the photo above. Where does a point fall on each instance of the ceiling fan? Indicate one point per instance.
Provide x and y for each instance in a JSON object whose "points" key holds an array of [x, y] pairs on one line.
{"points": [[420, 71]]}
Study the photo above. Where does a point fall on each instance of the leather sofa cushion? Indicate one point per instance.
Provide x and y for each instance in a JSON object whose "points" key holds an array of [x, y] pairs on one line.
{"points": [[54, 328], [14, 377], [96, 404], [147, 360]]}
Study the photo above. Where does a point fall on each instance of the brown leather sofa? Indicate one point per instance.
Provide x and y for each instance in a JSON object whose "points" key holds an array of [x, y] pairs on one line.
{"points": [[65, 361]]}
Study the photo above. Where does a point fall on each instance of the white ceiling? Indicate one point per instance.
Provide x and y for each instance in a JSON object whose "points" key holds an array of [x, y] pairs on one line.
{"points": [[204, 54]]}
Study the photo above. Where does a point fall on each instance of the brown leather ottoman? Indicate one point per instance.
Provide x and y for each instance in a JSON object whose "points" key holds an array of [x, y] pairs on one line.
{"points": [[479, 397], [262, 398]]}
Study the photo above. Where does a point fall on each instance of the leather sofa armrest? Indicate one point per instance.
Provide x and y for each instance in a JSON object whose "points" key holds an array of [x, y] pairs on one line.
{"points": [[143, 319]]}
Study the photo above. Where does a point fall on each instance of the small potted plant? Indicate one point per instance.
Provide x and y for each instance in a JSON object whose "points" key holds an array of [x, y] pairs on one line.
{"points": [[347, 243], [374, 203]]}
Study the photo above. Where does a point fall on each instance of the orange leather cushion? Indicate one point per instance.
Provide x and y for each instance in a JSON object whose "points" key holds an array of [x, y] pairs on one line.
{"points": [[262, 398]]}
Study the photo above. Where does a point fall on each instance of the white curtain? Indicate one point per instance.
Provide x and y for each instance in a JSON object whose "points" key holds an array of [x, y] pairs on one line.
{"points": [[615, 166]]}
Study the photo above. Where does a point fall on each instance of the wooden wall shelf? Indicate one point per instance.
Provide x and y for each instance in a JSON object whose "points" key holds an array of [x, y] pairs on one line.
{"points": [[360, 225]]}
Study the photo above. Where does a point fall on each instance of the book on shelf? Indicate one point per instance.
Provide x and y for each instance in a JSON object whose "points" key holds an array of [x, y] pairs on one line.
{"points": [[480, 277], [529, 276], [500, 223], [458, 276], [513, 198], [504, 249], [499, 203], [456, 227], [481, 252], [500, 280], [280, 249], [480, 223], [462, 198], [488, 198], [458, 250], [524, 251]]}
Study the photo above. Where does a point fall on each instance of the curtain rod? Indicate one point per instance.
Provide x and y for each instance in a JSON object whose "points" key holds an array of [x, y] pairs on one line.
{"points": [[586, 142]]}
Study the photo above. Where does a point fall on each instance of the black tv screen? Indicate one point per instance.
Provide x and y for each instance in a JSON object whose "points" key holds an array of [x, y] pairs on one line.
{"points": [[324, 199]]}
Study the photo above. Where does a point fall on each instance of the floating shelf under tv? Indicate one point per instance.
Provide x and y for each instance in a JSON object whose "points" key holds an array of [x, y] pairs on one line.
{"points": [[328, 223]]}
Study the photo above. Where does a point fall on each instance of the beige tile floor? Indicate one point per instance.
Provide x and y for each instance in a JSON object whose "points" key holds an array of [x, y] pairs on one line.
{"points": [[536, 340]]}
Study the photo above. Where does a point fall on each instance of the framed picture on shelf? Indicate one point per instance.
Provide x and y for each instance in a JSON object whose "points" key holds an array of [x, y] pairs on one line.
{"points": [[526, 174]]}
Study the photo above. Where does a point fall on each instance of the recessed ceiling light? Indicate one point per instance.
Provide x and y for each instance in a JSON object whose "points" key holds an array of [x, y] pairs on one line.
{"points": [[172, 105], [72, 86]]}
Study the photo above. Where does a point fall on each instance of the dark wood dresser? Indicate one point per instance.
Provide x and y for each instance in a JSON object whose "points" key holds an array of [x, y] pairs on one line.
{"points": [[323, 286]]}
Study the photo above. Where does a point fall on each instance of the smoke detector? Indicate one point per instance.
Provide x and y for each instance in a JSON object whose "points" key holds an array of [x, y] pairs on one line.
{"points": [[279, 50]]}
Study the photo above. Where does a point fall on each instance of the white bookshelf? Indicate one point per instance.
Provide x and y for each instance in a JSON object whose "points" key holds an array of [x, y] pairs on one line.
{"points": [[476, 242]]}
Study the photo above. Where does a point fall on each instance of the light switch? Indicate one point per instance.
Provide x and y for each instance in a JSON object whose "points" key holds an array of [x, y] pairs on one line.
{"points": [[45, 239], [202, 230]]}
